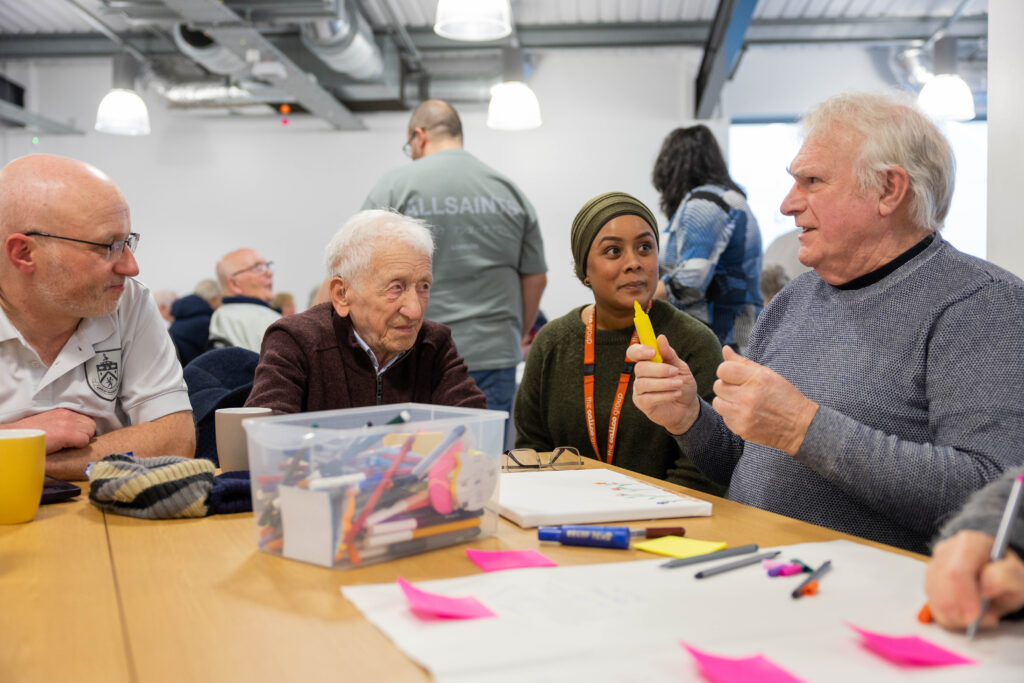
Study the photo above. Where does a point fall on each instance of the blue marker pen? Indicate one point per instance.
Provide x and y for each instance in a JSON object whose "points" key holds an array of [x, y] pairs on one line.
{"points": [[595, 536]]}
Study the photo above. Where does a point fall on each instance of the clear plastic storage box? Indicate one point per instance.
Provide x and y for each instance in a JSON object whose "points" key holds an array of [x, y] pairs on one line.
{"points": [[344, 488]]}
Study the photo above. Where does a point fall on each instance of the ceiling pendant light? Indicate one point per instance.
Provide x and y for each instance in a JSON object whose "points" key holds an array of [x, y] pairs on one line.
{"points": [[473, 20], [122, 111], [513, 106], [946, 96]]}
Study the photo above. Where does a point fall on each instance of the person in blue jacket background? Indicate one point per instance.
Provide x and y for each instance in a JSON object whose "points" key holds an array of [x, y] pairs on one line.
{"points": [[710, 265]]}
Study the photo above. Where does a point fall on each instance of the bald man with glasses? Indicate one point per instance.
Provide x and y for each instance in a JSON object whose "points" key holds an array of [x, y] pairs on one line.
{"points": [[244, 315], [83, 349]]}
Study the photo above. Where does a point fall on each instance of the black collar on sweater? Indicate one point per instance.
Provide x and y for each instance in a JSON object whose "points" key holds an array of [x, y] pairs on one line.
{"points": [[246, 300], [889, 268]]}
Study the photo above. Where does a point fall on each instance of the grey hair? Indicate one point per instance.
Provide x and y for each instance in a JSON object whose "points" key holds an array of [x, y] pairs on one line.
{"points": [[893, 132], [164, 297], [207, 289], [349, 252]]}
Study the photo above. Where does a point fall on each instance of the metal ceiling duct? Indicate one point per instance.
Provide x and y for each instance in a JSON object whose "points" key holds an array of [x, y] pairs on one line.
{"points": [[207, 52], [211, 95], [345, 44]]}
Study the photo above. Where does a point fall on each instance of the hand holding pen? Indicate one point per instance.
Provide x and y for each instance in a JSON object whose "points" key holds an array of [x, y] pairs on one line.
{"points": [[973, 579]]}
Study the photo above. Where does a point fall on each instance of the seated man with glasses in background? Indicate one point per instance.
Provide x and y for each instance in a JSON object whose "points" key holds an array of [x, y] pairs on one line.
{"points": [[84, 352], [247, 280]]}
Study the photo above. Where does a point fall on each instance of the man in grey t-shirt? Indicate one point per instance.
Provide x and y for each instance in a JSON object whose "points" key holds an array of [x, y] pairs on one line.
{"points": [[489, 268]]}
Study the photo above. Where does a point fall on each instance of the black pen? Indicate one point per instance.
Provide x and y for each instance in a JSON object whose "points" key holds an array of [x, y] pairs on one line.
{"points": [[728, 567], [706, 557], [817, 573]]}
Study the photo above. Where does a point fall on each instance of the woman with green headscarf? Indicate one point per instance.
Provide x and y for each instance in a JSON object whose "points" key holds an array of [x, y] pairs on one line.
{"points": [[577, 386]]}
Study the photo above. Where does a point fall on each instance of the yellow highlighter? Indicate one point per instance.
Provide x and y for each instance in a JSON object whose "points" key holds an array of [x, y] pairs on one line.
{"points": [[645, 331]]}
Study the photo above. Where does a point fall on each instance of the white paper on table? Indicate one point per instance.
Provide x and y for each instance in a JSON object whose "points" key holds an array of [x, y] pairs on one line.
{"points": [[623, 621], [589, 496]]}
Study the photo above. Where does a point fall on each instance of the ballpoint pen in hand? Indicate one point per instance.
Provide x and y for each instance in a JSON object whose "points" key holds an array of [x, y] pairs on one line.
{"points": [[1002, 540]]}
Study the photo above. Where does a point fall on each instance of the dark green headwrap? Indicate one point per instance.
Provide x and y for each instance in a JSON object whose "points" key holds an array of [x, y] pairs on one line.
{"points": [[593, 216]]}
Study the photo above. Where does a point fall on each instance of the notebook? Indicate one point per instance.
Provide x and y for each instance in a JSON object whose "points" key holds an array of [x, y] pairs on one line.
{"points": [[588, 496]]}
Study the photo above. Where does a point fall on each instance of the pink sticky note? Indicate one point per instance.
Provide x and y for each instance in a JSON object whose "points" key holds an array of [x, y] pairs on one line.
{"points": [[740, 669], [434, 605], [909, 650], [496, 560]]}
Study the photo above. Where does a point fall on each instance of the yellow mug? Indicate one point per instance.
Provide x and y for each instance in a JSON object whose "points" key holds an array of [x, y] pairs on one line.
{"points": [[22, 466]]}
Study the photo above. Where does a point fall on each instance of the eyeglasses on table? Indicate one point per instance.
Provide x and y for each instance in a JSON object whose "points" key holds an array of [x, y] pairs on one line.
{"points": [[526, 459]]}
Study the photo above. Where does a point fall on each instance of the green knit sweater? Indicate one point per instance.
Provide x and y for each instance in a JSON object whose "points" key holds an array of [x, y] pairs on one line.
{"points": [[549, 405]]}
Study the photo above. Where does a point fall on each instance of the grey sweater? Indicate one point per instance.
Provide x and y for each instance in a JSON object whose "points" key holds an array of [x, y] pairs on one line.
{"points": [[984, 510], [920, 382]]}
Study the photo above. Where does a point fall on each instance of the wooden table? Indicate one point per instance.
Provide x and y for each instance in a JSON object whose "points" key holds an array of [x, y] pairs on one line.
{"points": [[59, 615], [124, 599]]}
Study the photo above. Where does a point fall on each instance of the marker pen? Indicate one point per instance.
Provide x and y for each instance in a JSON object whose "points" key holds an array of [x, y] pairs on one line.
{"points": [[644, 532], [598, 537], [423, 465], [419, 545], [644, 331]]}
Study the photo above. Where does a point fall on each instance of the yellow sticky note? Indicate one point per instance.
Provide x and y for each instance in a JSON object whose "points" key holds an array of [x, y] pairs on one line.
{"points": [[677, 546]]}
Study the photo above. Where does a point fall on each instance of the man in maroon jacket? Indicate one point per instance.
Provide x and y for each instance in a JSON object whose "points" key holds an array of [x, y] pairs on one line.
{"points": [[370, 345]]}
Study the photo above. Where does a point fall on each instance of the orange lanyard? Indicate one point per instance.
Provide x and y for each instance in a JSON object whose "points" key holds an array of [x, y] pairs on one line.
{"points": [[588, 390]]}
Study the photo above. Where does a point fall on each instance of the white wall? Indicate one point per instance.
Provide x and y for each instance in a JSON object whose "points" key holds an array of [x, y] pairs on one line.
{"points": [[1005, 141], [203, 184]]}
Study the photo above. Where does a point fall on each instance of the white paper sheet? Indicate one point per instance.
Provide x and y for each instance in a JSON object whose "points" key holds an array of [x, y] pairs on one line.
{"points": [[623, 622], [589, 496]]}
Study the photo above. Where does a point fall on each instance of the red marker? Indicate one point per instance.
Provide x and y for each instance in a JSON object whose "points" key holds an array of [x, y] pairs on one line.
{"points": [[657, 532]]}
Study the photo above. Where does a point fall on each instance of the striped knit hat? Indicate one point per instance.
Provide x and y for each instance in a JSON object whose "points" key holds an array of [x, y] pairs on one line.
{"points": [[151, 488]]}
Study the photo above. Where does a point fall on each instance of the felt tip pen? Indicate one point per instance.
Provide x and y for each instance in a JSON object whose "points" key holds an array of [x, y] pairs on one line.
{"points": [[413, 521], [597, 537], [401, 418], [423, 465], [707, 557], [648, 532], [729, 566], [420, 545], [814, 576], [423, 532]]}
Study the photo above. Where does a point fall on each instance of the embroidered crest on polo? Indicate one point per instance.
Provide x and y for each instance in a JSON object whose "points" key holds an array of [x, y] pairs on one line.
{"points": [[103, 372]]}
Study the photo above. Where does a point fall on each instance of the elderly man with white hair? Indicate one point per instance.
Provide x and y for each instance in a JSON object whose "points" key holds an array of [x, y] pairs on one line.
{"points": [[883, 387], [370, 345]]}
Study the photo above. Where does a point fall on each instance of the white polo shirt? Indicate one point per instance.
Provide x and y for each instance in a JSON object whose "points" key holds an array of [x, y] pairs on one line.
{"points": [[119, 369]]}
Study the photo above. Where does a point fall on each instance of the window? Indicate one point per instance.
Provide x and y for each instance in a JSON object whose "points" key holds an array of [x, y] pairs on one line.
{"points": [[760, 152]]}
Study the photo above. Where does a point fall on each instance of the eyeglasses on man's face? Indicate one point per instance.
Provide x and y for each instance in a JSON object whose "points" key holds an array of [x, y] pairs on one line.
{"points": [[407, 147], [560, 457], [114, 249], [258, 268]]}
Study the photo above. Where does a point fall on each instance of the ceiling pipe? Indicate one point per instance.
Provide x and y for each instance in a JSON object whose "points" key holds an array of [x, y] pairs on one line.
{"points": [[345, 44], [948, 24], [205, 51]]}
